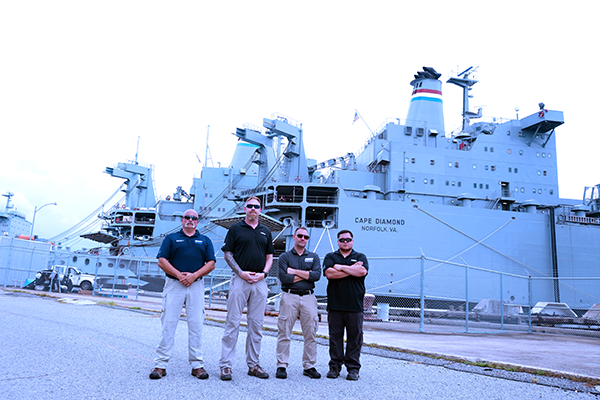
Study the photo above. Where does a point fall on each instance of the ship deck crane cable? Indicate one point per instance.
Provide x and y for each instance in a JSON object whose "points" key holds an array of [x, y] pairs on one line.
{"points": [[93, 214]]}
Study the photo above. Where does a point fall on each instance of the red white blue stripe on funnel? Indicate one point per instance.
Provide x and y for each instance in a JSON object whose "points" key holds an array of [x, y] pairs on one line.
{"points": [[427, 95]]}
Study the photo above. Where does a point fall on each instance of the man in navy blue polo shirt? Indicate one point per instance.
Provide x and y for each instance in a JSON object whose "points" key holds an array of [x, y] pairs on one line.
{"points": [[186, 257], [248, 250], [346, 270]]}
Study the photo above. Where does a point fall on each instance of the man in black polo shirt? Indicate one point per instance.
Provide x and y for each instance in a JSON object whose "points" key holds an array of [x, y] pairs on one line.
{"points": [[346, 270], [298, 270], [248, 250], [186, 257]]}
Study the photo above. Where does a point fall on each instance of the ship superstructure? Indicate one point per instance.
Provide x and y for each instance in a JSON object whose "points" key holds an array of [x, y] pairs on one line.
{"points": [[486, 194]]}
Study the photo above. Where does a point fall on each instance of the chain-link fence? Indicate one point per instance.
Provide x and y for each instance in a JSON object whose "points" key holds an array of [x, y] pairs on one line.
{"points": [[420, 294]]}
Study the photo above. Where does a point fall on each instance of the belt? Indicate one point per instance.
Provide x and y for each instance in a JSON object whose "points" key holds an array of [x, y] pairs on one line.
{"points": [[299, 292], [175, 279]]}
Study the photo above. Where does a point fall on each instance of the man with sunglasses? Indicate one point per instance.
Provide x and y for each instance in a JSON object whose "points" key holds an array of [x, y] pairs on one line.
{"points": [[186, 257], [346, 270], [248, 250], [298, 270]]}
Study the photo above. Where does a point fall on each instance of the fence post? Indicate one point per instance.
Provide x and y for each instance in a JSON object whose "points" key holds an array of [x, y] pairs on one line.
{"points": [[95, 285], [530, 300], [501, 302], [422, 316], [467, 298], [139, 271], [10, 250], [210, 292]]}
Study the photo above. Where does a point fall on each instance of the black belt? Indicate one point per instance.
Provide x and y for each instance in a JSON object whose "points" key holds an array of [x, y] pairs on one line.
{"points": [[299, 292], [175, 279]]}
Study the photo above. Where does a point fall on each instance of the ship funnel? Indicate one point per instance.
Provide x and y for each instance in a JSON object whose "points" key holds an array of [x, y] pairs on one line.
{"points": [[426, 106]]}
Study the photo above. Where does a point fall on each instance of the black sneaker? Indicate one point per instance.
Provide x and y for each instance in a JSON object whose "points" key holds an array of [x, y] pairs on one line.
{"points": [[333, 373], [312, 372], [352, 376], [281, 374]]}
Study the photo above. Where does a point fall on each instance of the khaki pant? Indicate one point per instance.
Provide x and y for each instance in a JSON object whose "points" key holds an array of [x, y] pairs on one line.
{"points": [[291, 307], [243, 294], [175, 295]]}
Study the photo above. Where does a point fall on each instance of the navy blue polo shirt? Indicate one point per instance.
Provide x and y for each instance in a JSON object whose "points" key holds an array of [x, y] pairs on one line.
{"points": [[186, 253], [345, 294], [249, 246]]}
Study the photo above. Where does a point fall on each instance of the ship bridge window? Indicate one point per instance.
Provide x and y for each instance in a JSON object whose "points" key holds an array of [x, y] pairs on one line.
{"points": [[322, 195]]}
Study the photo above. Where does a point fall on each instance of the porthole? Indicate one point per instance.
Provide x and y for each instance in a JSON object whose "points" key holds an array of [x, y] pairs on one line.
{"points": [[522, 190], [539, 191], [74, 258], [509, 151], [110, 265], [520, 152], [87, 261]]}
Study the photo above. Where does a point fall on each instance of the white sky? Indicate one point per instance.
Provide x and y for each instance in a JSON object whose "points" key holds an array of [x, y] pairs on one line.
{"points": [[81, 80]]}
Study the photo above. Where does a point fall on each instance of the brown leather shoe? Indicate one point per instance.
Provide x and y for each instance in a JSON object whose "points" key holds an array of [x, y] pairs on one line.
{"points": [[158, 373], [225, 374], [258, 372], [200, 373]]}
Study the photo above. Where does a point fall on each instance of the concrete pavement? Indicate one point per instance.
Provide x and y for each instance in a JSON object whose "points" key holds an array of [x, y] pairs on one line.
{"points": [[572, 356]]}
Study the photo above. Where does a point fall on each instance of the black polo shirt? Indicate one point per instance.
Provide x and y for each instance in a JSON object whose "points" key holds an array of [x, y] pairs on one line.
{"points": [[249, 246], [308, 261], [186, 253], [345, 294]]}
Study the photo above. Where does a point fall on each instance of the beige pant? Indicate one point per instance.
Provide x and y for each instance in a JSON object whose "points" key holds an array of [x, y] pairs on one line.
{"points": [[292, 306], [175, 296], [254, 297]]}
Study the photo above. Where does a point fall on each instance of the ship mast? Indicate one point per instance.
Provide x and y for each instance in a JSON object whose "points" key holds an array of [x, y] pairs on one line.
{"points": [[466, 84]]}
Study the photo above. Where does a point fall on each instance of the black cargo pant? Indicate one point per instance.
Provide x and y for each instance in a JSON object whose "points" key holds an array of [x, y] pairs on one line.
{"points": [[352, 322]]}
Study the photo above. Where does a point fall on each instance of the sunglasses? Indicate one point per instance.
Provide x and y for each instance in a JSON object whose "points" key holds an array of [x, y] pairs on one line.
{"points": [[192, 217], [301, 236], [345, 240], [256, 206]]}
